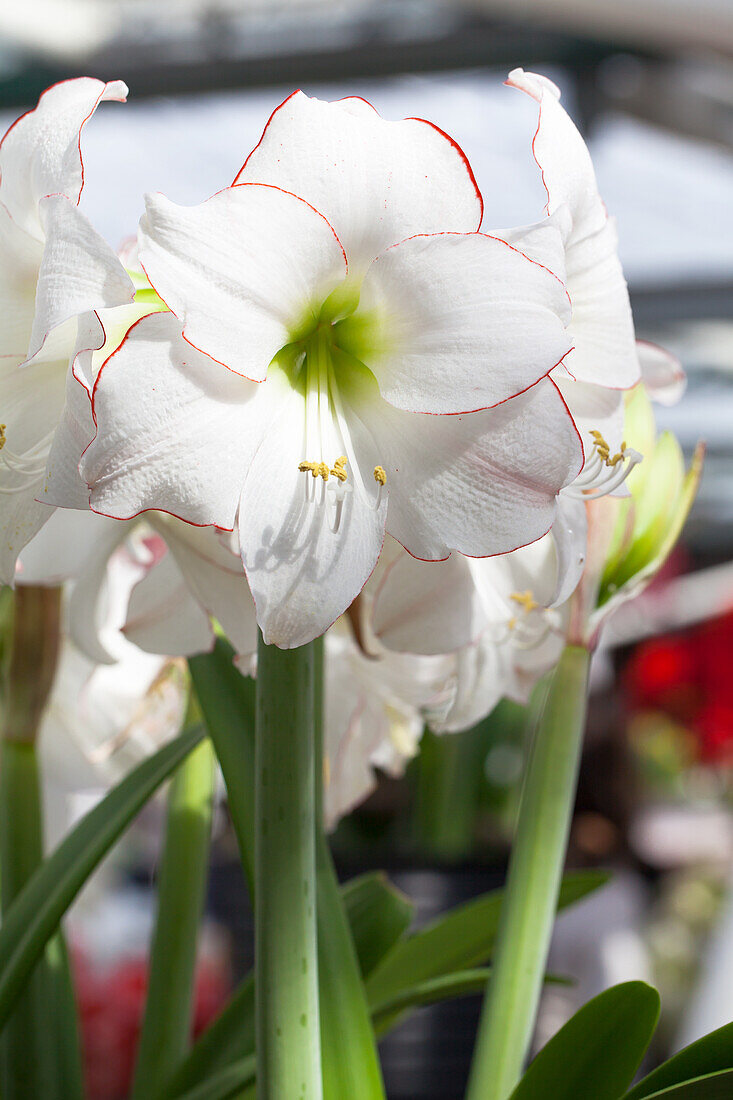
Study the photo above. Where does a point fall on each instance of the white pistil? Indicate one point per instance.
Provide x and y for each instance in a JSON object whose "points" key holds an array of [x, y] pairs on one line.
{"points": [[326, 424]]}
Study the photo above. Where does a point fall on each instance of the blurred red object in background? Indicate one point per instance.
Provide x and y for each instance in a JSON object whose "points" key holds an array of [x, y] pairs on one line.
{"points": [[111, 1005], [688, 676]]}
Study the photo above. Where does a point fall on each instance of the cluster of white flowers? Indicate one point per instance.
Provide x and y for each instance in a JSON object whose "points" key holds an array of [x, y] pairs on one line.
{"points": [[328, 388]]}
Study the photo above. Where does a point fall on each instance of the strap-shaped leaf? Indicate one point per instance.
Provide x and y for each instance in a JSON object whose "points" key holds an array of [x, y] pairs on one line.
{"points": [[710, 1054], [713, 1086], [36, 912], [459, 940], [379, 915], [227, 1083], [596, 1054]]}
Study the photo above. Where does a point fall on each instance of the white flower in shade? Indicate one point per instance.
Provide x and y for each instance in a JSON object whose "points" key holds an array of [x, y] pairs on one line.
{"points": [[55, 271], [507, 619], [179, 578], [338, 293], [102, 720], [375, 704], [604, 361], [500, 620]]}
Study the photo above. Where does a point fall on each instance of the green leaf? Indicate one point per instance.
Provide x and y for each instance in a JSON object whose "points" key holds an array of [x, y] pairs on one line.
{"points": [[462, 938], [596, 1054], [713, 1086], [227, 699], [227, 1083], [707, 1055], [445, 988], [36, 912], [379, 915]]}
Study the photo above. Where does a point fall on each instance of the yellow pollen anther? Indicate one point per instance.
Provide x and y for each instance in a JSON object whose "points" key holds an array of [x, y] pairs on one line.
{"points": [[525, 599], [2, 436], [316, 469], [339, 468], [380, 475], [604, 451]]}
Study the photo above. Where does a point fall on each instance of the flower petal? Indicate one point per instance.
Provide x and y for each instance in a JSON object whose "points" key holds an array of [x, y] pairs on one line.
{"points": [[376, 181], [41, 152], [602, 328], [482, 483], [215, 577], [163, 616], [176, 431], [428, 607], [464, 322], [242, 271], [79, 271], [562, 156], [661, 372], [20, 256], [303, 575]]}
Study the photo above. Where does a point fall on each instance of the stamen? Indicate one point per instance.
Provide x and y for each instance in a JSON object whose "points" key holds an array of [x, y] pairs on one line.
{"points": [[525, 599], [339, 468], [603, 472], [29, 467]]}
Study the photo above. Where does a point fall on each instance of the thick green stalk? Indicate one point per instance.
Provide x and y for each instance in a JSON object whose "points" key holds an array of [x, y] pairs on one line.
{"points": [[286, 965], [166, 1027], [533, 883]]}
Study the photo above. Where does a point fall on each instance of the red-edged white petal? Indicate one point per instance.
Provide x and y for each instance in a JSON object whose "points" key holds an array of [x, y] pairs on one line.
{"points": [[20, 256], [602, 328], [163, 616], [428, 607], [215, 577], [175, 430], [66, 547], [21, 518], [461, 322], [79, 271], [91, 598], [562, 155], [41, 152], [95, 342], [242, 271], [377, 182], [482, 483], [661, 372], [302, 573]]}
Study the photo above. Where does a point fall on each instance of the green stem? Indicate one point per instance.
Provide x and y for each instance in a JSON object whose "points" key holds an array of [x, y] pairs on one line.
{"points": [[535, 871], [448, 771], [286, 966], [166, 1029]]}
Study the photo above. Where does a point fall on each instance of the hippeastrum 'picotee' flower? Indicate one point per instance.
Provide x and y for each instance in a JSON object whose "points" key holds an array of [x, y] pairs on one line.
{"points": [[55, 271], [605, 360], [179, 578], [337, 293]]}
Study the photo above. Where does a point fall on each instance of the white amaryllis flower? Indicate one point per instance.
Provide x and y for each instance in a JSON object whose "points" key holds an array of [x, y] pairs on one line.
{"points": [[500, 620], [55, 271], [338, 293], [604, 361], [179, 578], [375, 704], [103, 719]]}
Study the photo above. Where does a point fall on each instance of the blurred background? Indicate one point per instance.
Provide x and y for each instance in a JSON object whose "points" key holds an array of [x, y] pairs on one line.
{"points": [[650, 84]]}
